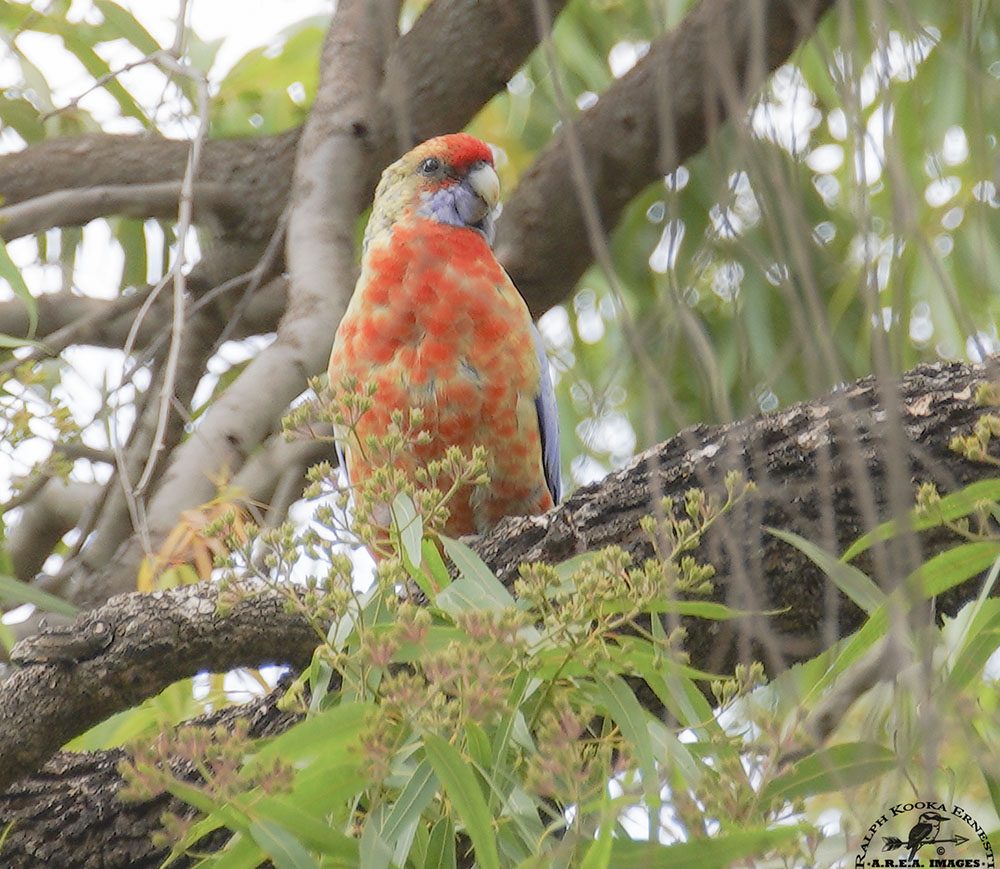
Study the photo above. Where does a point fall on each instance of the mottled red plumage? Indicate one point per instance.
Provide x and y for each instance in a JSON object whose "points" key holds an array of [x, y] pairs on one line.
{"points": [[436, 323]]}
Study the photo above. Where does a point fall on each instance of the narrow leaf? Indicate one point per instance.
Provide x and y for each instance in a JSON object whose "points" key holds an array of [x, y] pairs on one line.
{"points": [[954, 566], [720, 851], [476, 588], [832, 769], [14, 591], [851, 581], [614, 694], [459, 782], [409, 525], [950, 507], [12, 274], [441, 847], [281, 846], [416, 796]]}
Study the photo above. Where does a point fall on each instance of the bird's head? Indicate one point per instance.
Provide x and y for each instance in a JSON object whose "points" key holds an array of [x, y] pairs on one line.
{"points": [[449, 179], [932, 816]]}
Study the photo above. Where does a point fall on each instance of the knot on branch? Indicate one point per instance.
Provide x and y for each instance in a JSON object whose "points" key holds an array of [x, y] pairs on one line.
{"points": [[80, 641]]}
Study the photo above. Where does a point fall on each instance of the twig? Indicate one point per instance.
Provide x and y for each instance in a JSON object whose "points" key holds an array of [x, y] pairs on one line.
{"points": [[180, 283]]}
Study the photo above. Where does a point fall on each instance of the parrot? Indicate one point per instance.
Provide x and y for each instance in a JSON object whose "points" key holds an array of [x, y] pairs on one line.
{"points": [[436, 323]]}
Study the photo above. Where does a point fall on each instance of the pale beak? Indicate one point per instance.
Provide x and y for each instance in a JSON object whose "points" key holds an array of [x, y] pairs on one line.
{"points": [[483, 181]]}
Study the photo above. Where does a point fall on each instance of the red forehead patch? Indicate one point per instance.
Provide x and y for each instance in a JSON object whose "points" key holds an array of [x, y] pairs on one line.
{"points": [[459, 150]]}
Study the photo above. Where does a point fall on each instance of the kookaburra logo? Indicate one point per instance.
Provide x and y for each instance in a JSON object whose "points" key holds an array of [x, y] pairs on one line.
{"points": [[927, 834], [926, 831]]}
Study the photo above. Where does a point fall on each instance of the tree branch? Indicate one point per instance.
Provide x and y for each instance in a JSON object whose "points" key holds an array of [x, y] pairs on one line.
{"points": [[645, 125], [54, 510], [136, 644], [129, 649], [77, 207], [48, 824], [250, 171]]}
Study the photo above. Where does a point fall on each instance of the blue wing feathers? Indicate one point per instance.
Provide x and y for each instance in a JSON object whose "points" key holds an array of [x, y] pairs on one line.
{"points": [[548, 420]]}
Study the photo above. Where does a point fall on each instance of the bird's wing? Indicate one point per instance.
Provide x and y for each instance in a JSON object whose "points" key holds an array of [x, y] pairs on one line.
{"points": [[548, 420]]}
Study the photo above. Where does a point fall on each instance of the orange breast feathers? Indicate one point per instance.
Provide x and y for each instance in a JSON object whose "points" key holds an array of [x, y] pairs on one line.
{"points": [[435, 323]]}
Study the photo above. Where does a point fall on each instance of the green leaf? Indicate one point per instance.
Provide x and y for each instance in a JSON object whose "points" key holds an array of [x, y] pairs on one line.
{"points": [[441, 847], [850, 650], [281, 846], [851, 581], [700, 609], [374, 852], [598, 855], [77, 43], [614, 694], [127, 26], [459, 782], [20, 115], [954, 566], [14, 591], [12, 274], [435, 563], [476, 588], [409, 526], [831, 769], [982, 638], [199, 830], [329, 737], [309, 828], [719, 851], [401, 822], [950, 507]]}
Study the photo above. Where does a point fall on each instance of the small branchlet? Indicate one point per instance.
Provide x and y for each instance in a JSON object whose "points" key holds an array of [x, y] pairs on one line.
{"points": [[976, 446], [209, 761]]}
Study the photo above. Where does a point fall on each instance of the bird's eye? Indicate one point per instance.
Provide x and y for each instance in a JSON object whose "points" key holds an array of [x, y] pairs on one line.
{"points": [[430, 166]]}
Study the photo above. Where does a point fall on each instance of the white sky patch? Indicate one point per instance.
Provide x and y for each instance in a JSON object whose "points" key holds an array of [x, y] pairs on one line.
{"points": [[664, 255], [626, 54], [589, 322], [555, 328], [942, 190], [90, 371], [788, 115], [826, 158], [230, 354], [586, 469], [955, 148]]}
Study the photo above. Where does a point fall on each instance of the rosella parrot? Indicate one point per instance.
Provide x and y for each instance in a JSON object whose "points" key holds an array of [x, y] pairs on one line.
{"points": [[436, 323]]}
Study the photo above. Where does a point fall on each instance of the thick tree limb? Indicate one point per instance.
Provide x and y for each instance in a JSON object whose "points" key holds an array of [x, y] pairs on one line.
{"points": [[73, 815], [55, 509], [125, 653], [253, 200], [129, 649], [67, 319], [645, 125]]}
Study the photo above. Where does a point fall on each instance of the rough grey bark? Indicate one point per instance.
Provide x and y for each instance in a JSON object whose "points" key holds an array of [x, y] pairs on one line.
{"points": [[115, 656], [72, 815], [136, 644]]}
